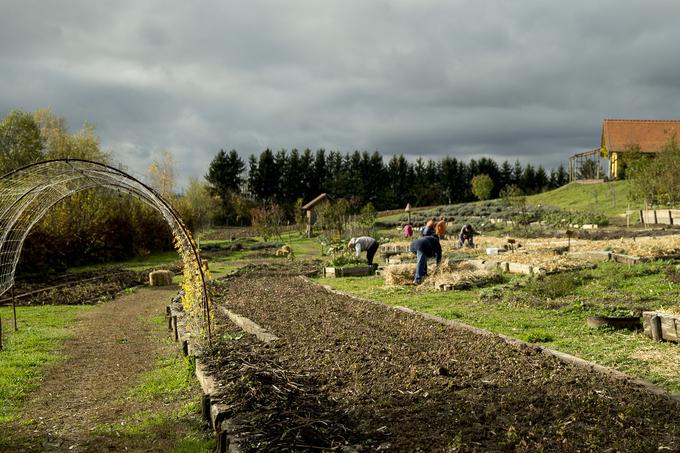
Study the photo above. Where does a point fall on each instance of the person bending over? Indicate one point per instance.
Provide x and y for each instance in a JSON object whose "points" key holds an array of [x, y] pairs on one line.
{"points": [[428, 229], [424, 248], [364, 244], [466, 235]]}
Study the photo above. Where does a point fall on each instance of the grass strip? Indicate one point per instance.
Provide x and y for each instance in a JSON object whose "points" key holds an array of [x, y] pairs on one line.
{"points": [[42, 330]]}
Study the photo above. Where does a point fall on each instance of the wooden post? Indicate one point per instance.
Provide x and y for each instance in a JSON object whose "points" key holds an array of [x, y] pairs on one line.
{"points": [[309, 223], [14, 310], [655, 324], [174, 324], [205, 407]]}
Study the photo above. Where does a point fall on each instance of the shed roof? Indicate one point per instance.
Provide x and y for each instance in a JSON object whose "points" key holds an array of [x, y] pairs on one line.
{"points": [[650, 135], [315, 201]]}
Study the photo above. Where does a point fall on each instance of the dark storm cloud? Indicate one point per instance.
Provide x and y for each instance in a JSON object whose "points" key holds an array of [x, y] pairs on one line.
{"points": [[529, 81]]}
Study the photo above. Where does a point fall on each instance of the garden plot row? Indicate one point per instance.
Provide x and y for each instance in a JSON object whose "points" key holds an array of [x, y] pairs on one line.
{"points": [[550, 256], [347, 373]]}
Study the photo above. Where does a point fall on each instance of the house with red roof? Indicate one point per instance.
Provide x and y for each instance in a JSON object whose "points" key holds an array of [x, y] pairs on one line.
{"points": [[626, 136]]}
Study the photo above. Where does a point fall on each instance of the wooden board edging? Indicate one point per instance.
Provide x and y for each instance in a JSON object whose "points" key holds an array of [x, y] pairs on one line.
{"points": [[249, 326], [212, 411]]}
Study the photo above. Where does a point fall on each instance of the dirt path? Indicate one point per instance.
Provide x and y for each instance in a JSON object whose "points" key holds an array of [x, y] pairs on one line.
{"points": [[112, 346]]}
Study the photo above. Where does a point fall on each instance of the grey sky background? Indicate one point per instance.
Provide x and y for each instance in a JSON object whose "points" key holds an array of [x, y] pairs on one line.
{"points": [[529, 80]]}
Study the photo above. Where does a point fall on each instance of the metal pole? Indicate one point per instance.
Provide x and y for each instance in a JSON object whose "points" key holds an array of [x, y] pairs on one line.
{"points": [[14, 310], [0, 333]]}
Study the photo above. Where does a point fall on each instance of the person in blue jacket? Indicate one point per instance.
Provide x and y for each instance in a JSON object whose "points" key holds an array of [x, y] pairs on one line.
{"points": [[424, 248]]}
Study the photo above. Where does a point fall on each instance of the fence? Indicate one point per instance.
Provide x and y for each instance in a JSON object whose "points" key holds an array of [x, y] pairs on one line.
{"points": [[660, 216]]}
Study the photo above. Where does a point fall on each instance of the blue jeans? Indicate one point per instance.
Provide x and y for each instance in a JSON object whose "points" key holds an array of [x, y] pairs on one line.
{"points": [[421, 266]]}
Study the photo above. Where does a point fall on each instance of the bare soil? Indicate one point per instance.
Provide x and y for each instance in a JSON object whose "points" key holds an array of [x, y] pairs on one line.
{"points": [[112, 346], [77, 289], [350, 373]]}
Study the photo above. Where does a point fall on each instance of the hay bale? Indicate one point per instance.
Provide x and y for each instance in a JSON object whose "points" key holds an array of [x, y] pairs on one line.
{"points": [[399, 274], [462, 276], [449, 275], [160, 278], [284, 251]]}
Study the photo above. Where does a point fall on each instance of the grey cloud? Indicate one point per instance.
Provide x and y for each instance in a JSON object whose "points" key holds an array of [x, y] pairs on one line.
{"points": [[529, 80]]}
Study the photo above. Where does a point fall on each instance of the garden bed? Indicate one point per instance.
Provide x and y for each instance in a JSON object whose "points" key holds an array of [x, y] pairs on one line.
{"points": [[348, 271], [346, 372], [78, 289]]}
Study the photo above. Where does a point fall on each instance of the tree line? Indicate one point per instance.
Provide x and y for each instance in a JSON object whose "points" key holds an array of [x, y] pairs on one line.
{"points": [[108, 227], [285, 177]]}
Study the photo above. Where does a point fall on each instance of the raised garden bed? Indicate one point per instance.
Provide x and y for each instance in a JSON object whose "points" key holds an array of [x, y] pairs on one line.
{"points": [[351, 375], [661, 326], [348, 271]]}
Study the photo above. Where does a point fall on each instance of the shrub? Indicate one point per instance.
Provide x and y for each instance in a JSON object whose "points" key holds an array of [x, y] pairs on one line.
{"points": [[554, 286]]}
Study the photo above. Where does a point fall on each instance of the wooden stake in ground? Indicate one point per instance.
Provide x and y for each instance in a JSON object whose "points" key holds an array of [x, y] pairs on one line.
{"points": [[14, 310]]}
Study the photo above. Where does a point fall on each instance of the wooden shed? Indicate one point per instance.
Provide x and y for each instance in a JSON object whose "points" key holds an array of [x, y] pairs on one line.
{"points": [[625, 136], [309, 208]]}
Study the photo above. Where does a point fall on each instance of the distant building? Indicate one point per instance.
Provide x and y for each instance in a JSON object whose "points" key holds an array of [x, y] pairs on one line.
{"points": [[309, 208], [623, 136]]}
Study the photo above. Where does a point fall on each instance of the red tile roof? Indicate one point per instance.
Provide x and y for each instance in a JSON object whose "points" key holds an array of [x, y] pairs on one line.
{"points": [[650, 135]]}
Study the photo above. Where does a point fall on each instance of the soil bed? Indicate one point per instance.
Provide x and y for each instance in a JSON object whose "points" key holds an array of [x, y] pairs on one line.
{"points": [[349, 372], [76, 289]]}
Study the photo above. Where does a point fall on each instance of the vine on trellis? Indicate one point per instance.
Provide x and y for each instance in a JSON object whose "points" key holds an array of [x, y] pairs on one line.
{"points": [[28, 193]]}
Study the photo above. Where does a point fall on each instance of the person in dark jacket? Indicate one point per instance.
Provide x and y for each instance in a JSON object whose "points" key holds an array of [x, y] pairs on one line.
{"points": [[424, 248]]}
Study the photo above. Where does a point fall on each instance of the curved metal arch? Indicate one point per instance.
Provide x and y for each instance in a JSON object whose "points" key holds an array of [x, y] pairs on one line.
{"points": [[27, 194]]}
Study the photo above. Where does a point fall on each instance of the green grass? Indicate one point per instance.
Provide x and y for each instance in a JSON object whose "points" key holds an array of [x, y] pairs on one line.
{"points": [[26, 352], [559, 323], [141, 263], [138, 263], [169, 378], [171, 381], [609, 198], [151, 426]]}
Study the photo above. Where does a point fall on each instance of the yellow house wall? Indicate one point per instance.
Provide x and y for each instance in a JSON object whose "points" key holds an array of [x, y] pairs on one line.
{"points": [[614, 165]]}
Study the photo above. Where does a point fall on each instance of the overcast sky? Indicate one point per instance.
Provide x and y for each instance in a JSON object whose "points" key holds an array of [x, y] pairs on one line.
{"points": [[529, 80]]}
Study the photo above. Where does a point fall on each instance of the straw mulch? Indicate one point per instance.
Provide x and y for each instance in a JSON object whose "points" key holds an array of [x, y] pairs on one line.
{"points": [[644, 246], [545, 259], [449, 275], [399, 274]]}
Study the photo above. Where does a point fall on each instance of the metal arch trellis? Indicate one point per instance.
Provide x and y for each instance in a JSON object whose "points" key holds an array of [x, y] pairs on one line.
{"points": [[26, 194]]}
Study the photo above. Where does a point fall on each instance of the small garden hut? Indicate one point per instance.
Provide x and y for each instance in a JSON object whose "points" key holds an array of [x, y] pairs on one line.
{"points": [[309, 208], [627, 136]]}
